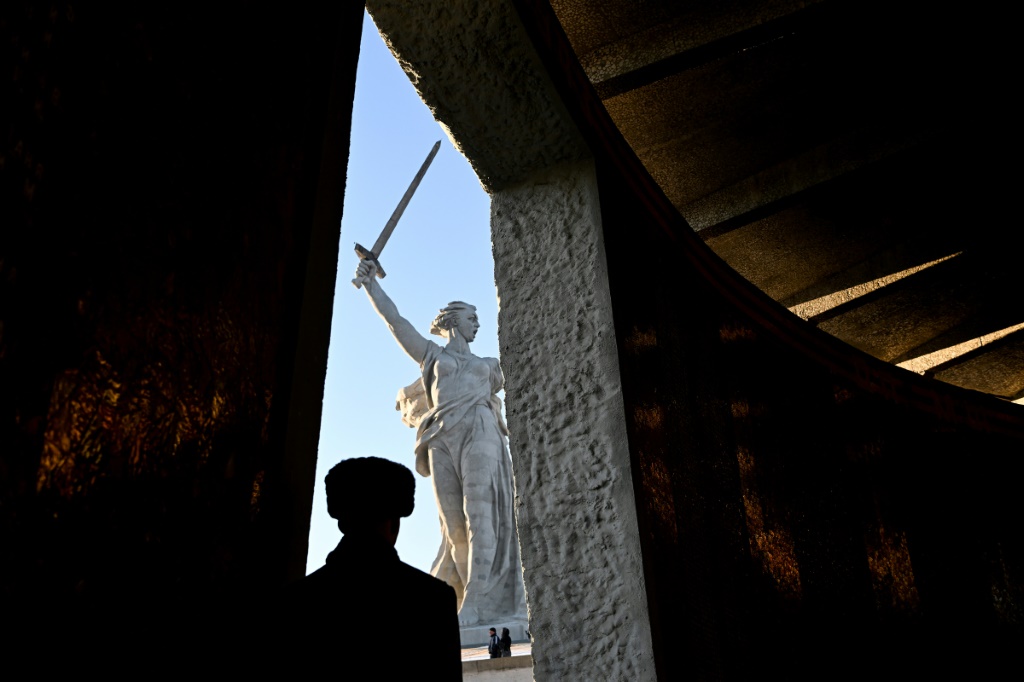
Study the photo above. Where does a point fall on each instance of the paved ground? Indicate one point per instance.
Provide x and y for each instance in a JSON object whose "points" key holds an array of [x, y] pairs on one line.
{"points": [[474, 653]]}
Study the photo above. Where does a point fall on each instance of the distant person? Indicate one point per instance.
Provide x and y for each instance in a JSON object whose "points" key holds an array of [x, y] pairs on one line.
{"points": [[354, 612], [494, 645], [506, 643]]}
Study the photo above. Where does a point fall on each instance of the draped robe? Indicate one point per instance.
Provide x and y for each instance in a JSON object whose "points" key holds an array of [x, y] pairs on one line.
{"points": [[461, 443]]}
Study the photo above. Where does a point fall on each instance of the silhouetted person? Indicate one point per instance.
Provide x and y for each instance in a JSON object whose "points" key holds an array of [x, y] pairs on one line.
{"points": [[357, 611], [506, 643]]}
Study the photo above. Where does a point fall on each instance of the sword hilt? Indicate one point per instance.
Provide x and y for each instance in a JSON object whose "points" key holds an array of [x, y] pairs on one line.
{"points": [[366, 254]]}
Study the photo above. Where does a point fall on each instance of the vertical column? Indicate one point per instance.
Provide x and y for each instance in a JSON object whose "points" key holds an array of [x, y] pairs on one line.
{"points": [[575, 506]]}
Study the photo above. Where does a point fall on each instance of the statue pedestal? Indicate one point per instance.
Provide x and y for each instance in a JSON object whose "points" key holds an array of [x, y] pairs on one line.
{"points": [[479, 635]]}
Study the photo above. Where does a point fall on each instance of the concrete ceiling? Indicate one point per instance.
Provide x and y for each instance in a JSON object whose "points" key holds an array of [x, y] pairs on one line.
{"points": [[843, 156]]}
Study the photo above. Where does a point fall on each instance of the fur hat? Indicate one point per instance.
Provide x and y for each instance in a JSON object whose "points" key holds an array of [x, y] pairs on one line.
{"points": [[365, 489]]}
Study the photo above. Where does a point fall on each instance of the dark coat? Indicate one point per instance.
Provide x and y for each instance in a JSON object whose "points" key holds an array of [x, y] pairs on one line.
{"points": [[369, 613], [506, 643]]}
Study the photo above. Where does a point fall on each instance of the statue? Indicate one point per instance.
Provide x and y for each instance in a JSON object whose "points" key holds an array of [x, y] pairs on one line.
{"points": [[461, 444]]}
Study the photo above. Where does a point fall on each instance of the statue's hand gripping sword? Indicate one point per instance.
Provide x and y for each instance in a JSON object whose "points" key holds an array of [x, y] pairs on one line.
{"points": [[378, 245]]}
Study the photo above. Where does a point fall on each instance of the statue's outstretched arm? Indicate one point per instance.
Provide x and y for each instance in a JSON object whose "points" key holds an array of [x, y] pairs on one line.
{"points": [[414, 344]]}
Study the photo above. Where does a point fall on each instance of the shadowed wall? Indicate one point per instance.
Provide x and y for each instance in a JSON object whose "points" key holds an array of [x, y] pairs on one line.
{"points": [[172, 177], [804, 509]]}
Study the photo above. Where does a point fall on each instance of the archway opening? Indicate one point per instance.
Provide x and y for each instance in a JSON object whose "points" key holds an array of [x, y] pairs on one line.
{"points": [[439, 252]]}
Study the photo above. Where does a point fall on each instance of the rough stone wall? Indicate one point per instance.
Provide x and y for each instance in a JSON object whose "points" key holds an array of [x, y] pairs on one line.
{"points": [[170, 199], [473, 66], [574, 494]]}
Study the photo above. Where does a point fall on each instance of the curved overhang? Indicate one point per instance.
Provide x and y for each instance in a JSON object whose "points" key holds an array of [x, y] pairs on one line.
{"points": [[514, 98], [785, 482]]}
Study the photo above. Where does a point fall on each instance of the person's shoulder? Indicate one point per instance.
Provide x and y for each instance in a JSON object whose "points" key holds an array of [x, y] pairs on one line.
{"points": [[424, 581], [412, 573], [309, 589]]}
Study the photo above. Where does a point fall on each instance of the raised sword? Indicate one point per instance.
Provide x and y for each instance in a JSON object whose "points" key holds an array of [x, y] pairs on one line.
{"points": [[378, 246]]}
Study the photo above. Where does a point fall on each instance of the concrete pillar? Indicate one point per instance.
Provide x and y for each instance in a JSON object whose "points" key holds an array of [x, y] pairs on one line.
{"points": [[575, 508]]}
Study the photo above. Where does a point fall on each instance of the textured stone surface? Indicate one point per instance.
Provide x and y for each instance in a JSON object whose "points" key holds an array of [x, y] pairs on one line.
{"points": [[474, 67], [574, 492]]}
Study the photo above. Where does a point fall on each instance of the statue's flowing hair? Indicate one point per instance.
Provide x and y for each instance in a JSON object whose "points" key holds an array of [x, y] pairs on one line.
{"points": [[448, 317]]}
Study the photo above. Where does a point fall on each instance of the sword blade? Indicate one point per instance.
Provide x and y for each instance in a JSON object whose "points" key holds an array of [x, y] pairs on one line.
{"points": [[385, 234]]}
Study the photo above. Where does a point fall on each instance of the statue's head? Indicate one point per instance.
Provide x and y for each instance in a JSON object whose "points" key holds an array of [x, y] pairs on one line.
{"points": [[456, 316], [363, 491]]}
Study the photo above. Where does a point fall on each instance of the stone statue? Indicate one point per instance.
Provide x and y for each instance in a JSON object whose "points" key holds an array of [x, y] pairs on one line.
{"points": [[460, 443]]}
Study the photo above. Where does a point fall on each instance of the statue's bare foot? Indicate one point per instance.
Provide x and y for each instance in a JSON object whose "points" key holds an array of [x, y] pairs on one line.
{"points": [[468, 616]]}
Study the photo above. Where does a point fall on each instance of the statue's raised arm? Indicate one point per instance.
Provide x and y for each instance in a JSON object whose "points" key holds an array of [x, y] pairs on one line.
{"points": [[411, 341]]}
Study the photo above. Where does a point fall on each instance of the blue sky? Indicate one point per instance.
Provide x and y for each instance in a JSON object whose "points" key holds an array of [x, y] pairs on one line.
{"points": [[439, 252]]}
